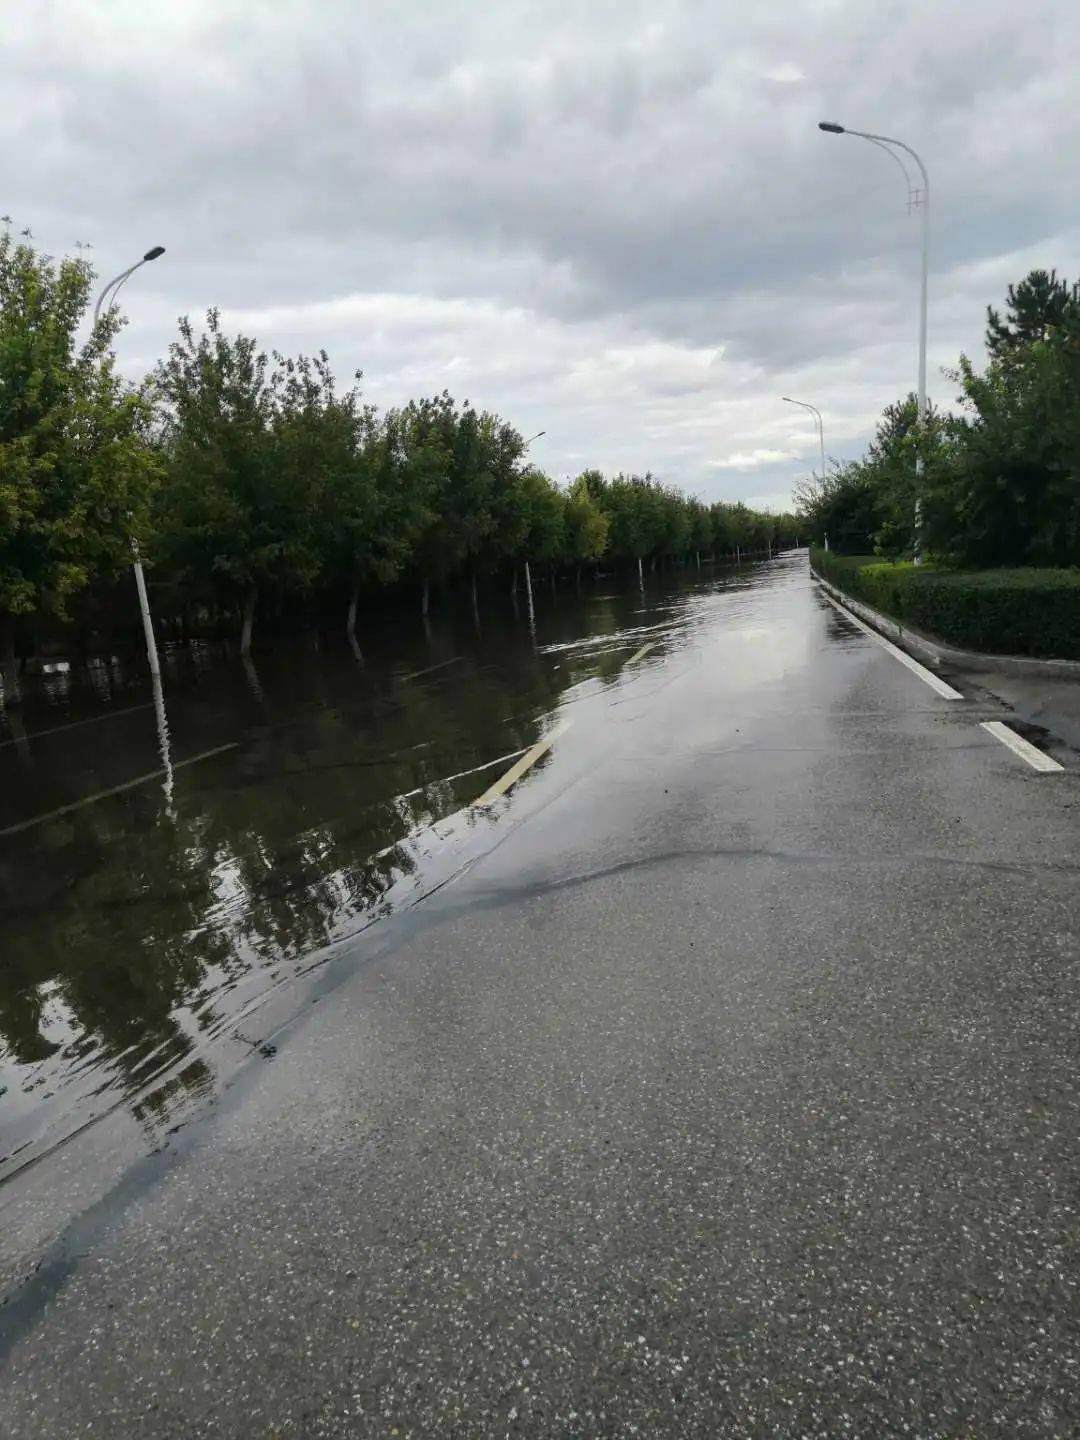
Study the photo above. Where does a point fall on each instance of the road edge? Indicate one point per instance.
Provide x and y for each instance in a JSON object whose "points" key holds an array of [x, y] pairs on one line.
{"points": [[937, 652]]}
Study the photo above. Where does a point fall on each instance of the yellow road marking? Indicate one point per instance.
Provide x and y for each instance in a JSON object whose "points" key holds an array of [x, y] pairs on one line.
{"points": [[527, 761]]}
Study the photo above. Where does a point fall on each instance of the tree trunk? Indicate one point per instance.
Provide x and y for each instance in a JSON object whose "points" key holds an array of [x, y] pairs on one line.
{"points": [[425, 599], [9, 665], [640, 575], [514, 583], [350, 624], [577, 578], [248, 623], [697, 554], [475, 603]]}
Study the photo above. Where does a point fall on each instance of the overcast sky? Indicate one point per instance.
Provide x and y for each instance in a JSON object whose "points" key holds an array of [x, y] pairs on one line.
{"points": [[616, 222]]}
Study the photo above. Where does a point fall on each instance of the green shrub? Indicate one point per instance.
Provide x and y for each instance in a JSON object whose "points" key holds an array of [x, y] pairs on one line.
{"points": [[1019, 611]]}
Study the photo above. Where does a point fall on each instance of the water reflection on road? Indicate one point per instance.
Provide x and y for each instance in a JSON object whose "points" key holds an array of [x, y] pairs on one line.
{"points": [[165, 865]]}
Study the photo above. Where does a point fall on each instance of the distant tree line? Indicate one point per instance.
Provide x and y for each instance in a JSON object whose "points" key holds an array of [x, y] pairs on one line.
{"points": [[1002, 477], [254, 487]]}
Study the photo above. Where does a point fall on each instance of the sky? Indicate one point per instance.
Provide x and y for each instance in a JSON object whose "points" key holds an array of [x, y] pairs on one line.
{"points": [[617, 223]]}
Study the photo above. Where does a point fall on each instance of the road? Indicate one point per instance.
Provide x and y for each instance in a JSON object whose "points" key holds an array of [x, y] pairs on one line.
{"points": [[726, 1087]]}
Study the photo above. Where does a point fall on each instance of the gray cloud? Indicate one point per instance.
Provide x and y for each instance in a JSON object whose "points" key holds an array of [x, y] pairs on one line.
{"points": [[614, 221]]}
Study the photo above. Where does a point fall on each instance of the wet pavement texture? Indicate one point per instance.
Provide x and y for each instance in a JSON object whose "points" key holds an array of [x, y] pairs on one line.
{"points": [[720, 1080], [145, 909]]}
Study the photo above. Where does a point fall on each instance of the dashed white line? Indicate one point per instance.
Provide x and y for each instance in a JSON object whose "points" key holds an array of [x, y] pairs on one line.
{"points": [[640, 654], [415, 674], [115, 790], [73, 724], [1019, 746], [928, 677], [460, 775]]}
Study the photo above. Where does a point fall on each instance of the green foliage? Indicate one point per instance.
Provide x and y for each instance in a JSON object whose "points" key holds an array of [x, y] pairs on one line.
{"points": [[1001, 482], [251, 481], [586, 523], [1039, 304], [1011, 490], [544, 509], [249, 451], [76, 469], [1021, 611]]}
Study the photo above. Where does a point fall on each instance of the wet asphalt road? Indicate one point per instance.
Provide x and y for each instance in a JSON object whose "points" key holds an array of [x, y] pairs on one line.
{"points": [[729, 1088]]}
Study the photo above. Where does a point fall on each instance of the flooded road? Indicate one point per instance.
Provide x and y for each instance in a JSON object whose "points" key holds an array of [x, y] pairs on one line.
{"points": [[724, 1083], [167, 872]]}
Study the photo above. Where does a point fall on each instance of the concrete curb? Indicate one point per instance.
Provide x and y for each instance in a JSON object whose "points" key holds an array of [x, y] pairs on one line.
{"points": [[937, 653]]}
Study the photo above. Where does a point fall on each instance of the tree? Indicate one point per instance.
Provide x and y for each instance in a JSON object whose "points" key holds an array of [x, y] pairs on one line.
{"points": [[675, 522], [869, 504], [241, 509], [76, 468], [634, 518], [1033, 307], [740, 522], [1012, 495], [543, 508], [890, 468], [354, 471], [586, 522], [701, 528], [427, 432]]}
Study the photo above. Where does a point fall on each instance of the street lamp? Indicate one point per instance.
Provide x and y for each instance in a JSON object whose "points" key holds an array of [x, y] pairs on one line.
{"points": [[140, 580], [884, 142], [124, 275], [820, 426], [528, 572]]}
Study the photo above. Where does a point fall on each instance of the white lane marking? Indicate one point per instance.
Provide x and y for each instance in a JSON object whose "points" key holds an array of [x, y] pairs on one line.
{"points": [[114, 790], [461, 774], [415, 674], [1019, 746], [927, 676], [527, 761], [73, 724], [640, 654]]}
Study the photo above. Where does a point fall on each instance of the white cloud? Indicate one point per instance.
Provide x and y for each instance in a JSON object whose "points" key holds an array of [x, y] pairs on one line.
{"points": [[775, 503], [620, 225], [751, 460], [784, 74]]}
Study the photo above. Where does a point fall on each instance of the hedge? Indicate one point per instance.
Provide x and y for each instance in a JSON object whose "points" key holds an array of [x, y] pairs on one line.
{"points": [[1020, 611]]}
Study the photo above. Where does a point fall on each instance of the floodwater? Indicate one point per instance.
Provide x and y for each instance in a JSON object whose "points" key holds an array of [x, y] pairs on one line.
{"points": [[175, 869]]}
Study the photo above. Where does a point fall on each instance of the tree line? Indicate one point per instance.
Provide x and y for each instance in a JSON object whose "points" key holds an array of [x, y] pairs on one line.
{"points": [[1002, 475], [254, 486]]}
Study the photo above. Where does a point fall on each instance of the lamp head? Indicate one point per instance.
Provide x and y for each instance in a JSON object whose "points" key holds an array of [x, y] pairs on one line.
{"points": [[831, 127], [154, 253]]}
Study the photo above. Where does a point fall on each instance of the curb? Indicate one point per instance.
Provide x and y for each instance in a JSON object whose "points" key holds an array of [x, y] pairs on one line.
{"points": [[938, 653]]}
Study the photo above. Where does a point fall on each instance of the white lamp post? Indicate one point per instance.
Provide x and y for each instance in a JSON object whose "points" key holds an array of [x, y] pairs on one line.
{"points": [[885, 141], [528, 573], [115, 286], [820, 426]]}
